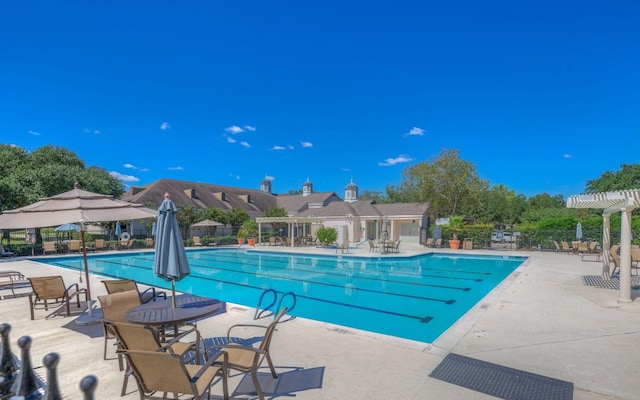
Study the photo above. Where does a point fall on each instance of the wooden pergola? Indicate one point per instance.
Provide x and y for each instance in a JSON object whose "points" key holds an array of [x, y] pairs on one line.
{"points": [[290, 221], [624, 202]]}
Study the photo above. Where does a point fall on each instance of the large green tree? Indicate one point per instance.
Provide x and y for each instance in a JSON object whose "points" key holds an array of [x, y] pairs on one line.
{"points": [[275, 211], [49, 170], [628, 177], [450, 184]]}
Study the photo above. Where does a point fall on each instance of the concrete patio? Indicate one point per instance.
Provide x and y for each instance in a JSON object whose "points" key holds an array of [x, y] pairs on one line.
{"points": [[542, 319]]}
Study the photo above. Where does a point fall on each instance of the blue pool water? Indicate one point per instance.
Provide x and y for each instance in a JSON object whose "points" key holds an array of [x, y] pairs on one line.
{"points": [[415, 297]]}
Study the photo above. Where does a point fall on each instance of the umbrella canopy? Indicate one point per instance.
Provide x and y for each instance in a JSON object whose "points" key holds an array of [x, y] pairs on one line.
{"points": [[67, 228], [74, 206], [171, 259], [206, 223], [579, 231]]}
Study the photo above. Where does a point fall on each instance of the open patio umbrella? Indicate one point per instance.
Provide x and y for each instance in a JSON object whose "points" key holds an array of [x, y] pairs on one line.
{"points": [[67, 228], [75, 206], [579, 231], [171, 259]]}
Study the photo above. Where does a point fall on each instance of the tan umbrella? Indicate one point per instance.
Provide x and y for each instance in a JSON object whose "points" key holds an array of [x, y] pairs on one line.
{"points": [[74, 206]]}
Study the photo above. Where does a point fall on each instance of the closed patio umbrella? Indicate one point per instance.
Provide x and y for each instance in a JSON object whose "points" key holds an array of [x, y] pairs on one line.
{"points": [[118, 229], [579, 231], [171, 259], [75, 206]]}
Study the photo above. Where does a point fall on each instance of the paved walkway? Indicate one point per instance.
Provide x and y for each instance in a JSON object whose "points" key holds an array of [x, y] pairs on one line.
{"points": [[542, 319]]}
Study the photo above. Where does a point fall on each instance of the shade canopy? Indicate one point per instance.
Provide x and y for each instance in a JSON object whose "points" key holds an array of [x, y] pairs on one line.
{"points": [[74, 206], [171, 258], [67, 228], [206, 223]]}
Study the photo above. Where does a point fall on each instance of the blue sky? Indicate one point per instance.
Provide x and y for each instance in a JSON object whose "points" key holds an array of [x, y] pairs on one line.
{"points": [[540, 95]]}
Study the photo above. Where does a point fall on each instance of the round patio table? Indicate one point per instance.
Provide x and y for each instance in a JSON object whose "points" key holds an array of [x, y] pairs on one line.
{"points": [[161, 312]]}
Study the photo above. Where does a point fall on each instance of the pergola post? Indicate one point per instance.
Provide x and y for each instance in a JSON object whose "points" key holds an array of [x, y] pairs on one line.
{"points": [[606, 246], [625, 255]]}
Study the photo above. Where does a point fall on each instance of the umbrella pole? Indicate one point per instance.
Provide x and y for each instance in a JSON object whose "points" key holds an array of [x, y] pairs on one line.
{"points": [[173, 293], [86, 267]]}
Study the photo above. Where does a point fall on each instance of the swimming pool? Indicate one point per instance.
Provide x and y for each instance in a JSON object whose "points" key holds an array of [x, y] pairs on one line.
{"points": [[416, 297]]}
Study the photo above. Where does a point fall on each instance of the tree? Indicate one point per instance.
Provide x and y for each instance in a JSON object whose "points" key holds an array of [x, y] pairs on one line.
{"points": [[215, 214], [376, 196], [501, 206], [275, 211], [27, 177], [450, 184], [186, 216], [236, 216], [628, 177]]}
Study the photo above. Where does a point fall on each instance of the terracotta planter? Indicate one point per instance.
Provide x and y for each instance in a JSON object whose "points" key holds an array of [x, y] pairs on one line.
{"points": [[240, 240], [251, 242], [454, 244]]}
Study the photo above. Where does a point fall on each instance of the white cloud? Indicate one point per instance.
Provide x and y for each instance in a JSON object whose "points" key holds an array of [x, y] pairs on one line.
{"points": [[230, 139], [175, 168], [290, 147], [235, 176], [164, 126], [129, 166], [276, 147], [567, 156], [250, 128], [34, 133], [306, 144], [234, 129], [270, 178], [245, 144], [123, 177], [144, 170], [94, 131], [394, 161], [345, 169], [415, 131]]}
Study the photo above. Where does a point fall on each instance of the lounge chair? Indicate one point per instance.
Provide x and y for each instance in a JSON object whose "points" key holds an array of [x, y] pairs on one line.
{"points": [[122, 285], [150, 243], [4, 253], [125, 244], [51, 291], [583, 248], [565, 248], [438, 243], [593, 247], [171, 367], [49, 247], [196, 241], [246, 358], [12, 280], [344, 247], [429, 242]]}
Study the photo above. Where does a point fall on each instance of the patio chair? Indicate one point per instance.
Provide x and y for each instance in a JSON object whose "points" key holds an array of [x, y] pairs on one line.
{"points": [[373, 246], [150, 243], [583, 248], [122, 285], [114, 306], [171, 367], [593, 247], [125, 244], [196, 241], [74, 246], [246, 358], [438, 243], [343, 247], [99, 245], [615, 257], [566, 248], [395, 247], [49, 247], [429, 242], [51, 291], [4, 253]]}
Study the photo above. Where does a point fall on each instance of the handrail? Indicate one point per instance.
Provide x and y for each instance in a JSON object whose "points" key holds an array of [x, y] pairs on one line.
{"points": [[259, 311]]}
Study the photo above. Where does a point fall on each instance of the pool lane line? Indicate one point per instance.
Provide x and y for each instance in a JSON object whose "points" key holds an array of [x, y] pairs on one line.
{"points": [[419, 318], [448, 301], [464, 289], [355, 271], [328, 264]]}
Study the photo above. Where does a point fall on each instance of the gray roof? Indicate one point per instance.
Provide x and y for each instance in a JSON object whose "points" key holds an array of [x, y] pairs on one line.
{"points": [[202, 195], [297, 203]]}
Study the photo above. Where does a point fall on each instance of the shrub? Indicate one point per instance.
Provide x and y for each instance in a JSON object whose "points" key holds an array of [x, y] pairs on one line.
{"points": [[327, 236]]}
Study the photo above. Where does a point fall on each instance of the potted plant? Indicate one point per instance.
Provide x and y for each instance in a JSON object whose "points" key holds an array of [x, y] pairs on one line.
{"points": [[249, 230], [456, 224]]}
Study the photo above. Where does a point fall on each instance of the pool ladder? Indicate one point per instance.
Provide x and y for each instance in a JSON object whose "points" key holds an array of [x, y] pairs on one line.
{"points": [[260, 311]]}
